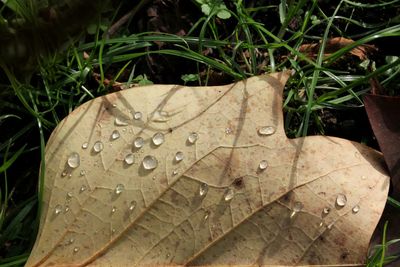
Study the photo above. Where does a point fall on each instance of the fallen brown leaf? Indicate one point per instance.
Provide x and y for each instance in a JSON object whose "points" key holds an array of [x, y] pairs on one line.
{"points": [[335, 44], [213, 181]]}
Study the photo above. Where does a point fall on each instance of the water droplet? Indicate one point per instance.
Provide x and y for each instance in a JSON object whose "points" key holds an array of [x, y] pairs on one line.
{"points": [[266, 130], [83, 188], [158, 138], [132, 205], [66, 209], [206, 215], [64, 173], [76, 249], [363, 177], [297, 207], [263, 165], [192, 138], [326, 210], [330, 225], [356, 209], [74, 160], [203, 189], [70, 241], [174, 173], [113, 230], [139, 142], [119, 188], [115, 135], [120, 122], [341, 200], [179, 156], [85, 145], [57, 209], [150, 162], [82, 173], [114, 105], [137, 115], [229, 194], [98, 146], [69, 195], [129, 159], [114, 209]]}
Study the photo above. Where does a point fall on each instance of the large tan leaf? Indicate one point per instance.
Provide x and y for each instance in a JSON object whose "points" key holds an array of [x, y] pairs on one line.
{"points": [[313, 200]]}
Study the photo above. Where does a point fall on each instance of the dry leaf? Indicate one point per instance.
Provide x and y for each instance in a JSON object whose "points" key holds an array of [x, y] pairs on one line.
{"points": [[239, 192], [334, 44], [383, 114]]}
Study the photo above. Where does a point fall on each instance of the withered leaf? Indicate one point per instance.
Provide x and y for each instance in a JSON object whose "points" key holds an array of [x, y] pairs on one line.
{"points": [[239, 192]]}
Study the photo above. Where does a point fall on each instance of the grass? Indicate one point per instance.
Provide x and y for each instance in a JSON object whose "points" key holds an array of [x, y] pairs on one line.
{"points": [[39, 92]]}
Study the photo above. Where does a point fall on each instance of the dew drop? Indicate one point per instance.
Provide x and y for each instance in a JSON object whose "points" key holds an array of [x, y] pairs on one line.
{"points": [[82, 173], [229, 194], [98, 146], [83, 188], [76, 249], [266, 130], [158, 138], [129, 159], [71, 240], [263, 165], [119, 188], [69, 195], [356, 209], [192, 138], [85, 145], [179, 156], [139, 142], [113, 210], [150, 162], [137, 115], [297, 207], [132, 205], [57, 209], [174, 173], [203, 189], [115, 135], [74, 160], [64, 173], [206, 215], [120, 122], [341, 200], [326, 210]]}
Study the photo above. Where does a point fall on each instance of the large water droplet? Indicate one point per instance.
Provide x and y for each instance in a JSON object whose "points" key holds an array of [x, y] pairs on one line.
{"points": [[132, 205], [85, 145], [203, 189], [74, 160], [138, 142], [263, 165], [229, 194], [57, 209], [192, 138], [129, 159], [341, 200], [150, 162], [76, 249], [115, 135], [158, 138], [137, 115], [120, 122], [119, 188], [98, 146], [266, 130], [179, 156], [356, 209]]}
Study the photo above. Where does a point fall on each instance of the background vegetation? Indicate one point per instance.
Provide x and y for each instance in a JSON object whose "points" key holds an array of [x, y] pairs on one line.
{"points": [[56, 55]]}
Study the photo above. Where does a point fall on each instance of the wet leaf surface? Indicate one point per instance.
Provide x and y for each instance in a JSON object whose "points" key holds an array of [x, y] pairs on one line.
{"points": [[203, 176]]}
